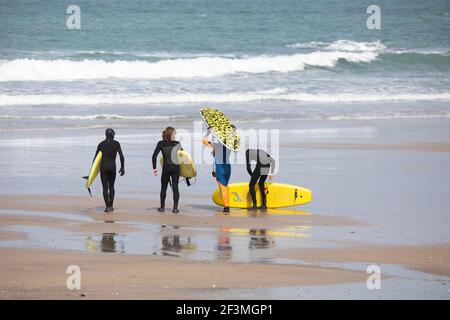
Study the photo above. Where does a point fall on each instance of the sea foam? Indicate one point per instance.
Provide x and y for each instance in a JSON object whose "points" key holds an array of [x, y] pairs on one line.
{"points": [[60, 69], [267, 95]]}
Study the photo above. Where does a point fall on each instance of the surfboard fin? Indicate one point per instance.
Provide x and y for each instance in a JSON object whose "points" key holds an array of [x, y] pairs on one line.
{"points": [[90, 193], [85, 177]]}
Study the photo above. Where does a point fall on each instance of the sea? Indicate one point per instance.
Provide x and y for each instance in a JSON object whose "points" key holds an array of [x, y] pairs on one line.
{"points": [[140, 63]]}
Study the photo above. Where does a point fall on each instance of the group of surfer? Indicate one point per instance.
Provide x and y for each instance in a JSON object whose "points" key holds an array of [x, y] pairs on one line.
{"points": [[169, 147]]}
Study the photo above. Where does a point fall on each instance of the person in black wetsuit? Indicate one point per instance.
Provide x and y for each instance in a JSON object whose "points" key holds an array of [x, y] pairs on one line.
{"points": [[171, 168], [109, 148], [265, 165]]}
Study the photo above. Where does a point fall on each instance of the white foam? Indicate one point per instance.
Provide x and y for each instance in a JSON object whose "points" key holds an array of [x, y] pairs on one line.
{"points": [[342, 45], [277, 94], [373, 46], [47, 70], [362, 117], [347, 45], [388, 116]]}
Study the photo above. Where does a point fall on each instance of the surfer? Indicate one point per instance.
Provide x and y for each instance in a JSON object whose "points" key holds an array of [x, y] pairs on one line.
{"points": [[171, 168], [109, 148], [222, 168], [265, 165]]}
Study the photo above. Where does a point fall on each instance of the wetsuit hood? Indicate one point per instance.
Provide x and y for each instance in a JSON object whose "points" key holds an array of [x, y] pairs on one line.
{"points": [[109, 133]]}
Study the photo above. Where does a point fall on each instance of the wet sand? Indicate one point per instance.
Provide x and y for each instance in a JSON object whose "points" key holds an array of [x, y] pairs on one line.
{"points": [[421, 147], [37, 272], [433, 259], [40, 274], [380, 197], [144, 211]]}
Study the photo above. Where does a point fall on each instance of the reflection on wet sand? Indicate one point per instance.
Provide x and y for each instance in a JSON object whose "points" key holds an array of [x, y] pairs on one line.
{"points": [[108, 243], [259, 239], [173, 243], [233, 244], [268, 212], [289, 232], [224, 248]]}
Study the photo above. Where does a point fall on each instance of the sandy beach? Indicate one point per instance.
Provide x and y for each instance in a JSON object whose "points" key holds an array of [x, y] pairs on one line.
{"points": [[39, 273], [201, 253]]}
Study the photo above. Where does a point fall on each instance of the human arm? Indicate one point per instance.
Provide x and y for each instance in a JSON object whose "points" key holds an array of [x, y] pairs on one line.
{"points": [[272, 167], [206, 141], [155, 156], [96, 152], [247, 162], [122, 159]]}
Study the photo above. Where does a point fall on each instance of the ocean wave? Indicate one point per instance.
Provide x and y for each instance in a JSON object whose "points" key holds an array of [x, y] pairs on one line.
{"points": [[72, 123], [91, 117], [152, 54], [394, 115], [48, 70], [278, 94], [373, 46], [357, 117], [341, 45]]}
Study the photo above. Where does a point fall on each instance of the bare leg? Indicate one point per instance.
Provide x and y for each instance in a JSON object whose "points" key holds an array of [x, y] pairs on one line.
{"points": [[225, 193]]}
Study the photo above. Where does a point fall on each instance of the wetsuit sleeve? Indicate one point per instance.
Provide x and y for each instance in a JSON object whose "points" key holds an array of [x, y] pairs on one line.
{"points": [[272, 164], [122, 159], [96, 152], [155, 154], [247, 162]]}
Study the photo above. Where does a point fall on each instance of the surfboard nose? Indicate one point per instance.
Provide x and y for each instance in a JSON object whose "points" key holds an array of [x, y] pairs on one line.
{"points": [[303, 196]]}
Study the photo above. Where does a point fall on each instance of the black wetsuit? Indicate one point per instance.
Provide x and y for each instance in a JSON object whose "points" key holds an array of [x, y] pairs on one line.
{"points": [[265, 164], [109, 149], [170, 170]]}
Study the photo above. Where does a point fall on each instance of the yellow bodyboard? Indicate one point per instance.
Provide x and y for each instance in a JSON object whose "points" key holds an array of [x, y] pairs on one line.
{"points": [[278, 195], [187, 166], [95, 169]]}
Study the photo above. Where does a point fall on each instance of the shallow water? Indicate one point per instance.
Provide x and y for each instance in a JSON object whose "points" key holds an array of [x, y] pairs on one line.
{"points": [[203, 244], [402, 194]]}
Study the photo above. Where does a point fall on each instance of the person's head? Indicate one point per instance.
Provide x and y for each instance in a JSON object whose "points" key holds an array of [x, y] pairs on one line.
{"points": [[109, 133], [168, 134]]}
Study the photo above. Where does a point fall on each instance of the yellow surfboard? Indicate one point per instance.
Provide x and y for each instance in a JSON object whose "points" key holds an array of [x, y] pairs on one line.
{"points": [[95, 169], [277, 195], [187, 165]]}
